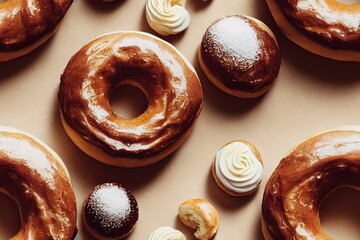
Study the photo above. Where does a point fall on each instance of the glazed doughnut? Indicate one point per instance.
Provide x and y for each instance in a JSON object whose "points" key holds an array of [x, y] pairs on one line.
{"points": [[168, 80], [199, 214], [244, 63], [324, 27], [304, 178], [26, 24], [238, 168], [110, 212], [36, 178]]}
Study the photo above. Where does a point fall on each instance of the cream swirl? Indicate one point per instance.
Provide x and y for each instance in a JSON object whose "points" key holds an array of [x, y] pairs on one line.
{"points": [[237, 168], [167, 233], [167, 16]]}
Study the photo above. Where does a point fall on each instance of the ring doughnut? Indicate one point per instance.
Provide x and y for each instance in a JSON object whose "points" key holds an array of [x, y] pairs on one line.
{"points": [[26, 24], [327, 28], [304, 178], [168, 80], [36, 178]]}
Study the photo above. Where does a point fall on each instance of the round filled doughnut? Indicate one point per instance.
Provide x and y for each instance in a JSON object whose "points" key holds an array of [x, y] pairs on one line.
{"points": [[240, 56], [26, 24], [110, 212], [304, 178], [327, 28], [168, 80], [35, 177]]}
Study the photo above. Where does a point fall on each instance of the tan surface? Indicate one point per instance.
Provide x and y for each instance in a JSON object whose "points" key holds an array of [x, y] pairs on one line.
{"points": [[311, 94]]}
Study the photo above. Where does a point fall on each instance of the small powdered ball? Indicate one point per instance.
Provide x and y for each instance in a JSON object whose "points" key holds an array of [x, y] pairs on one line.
{"points": [[110, 211]]}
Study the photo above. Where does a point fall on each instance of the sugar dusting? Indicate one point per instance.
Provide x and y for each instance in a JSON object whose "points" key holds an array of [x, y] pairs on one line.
{"points": [[234, 38], [111, 204]]}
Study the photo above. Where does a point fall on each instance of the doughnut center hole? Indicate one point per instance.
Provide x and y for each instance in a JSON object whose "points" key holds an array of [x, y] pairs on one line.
{"points": [[10, 221], [128, 101], [340, 214], [349, 2]]}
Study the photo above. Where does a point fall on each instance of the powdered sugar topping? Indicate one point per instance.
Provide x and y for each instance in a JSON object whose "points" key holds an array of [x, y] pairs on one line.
{"points": [[111, 203], [235, 38]]}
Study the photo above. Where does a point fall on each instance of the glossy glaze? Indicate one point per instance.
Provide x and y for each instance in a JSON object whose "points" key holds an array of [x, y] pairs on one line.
{"points": [[328, 22], [22, 22], [304, 178], [111, 211], [39, 183], [240, 54], [167, 79]]}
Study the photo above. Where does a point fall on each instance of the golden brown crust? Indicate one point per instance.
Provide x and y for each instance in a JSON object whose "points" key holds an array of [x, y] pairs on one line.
{"points": [[304, 41], [304, 178], [28, 24], [242, 71], [36, 178], [199, 214], [158, 69], [218, 182]]}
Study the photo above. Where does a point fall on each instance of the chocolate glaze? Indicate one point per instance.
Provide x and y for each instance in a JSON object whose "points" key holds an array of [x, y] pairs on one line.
{"points": [[32, 176], [111, 211], [22, 22], [304, 178], [234, 69], [334, 33], [170, 83]]}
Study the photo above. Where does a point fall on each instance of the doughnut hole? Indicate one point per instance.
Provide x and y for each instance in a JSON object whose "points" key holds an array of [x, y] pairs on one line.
{"points": [[340, 214], [349, 2], [10, 221], [128, 101]]}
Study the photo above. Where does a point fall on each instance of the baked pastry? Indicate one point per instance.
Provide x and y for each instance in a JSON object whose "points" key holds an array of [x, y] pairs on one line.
{"points": [[240, 56], [36, 178], [238, 168], [167, 233], [110, 212], [328, 28], [168, 80], [199, 214], [304, 178], [167, 17], [26, 24]]}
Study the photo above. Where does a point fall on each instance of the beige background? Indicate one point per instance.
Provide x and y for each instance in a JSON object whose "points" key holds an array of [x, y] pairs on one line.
{"points": [[311, 94]]}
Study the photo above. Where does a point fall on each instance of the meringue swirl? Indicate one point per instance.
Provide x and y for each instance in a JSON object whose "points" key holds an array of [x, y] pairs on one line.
{"points": [[237, 168], [167, 233], [167, 17]]}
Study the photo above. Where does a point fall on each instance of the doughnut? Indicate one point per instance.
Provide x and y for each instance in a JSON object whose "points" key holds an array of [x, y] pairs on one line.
{"points": [[167, 79], [324, 27], [110, 212], [304, 178], [199, 214], [167, 233], [167, 17], [244, 63], [26, 24], [36, 178], [238, 168]]}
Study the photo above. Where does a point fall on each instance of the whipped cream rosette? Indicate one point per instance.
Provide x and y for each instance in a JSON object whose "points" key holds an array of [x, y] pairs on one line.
{"points": [[167, 17], [237, 168]]}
